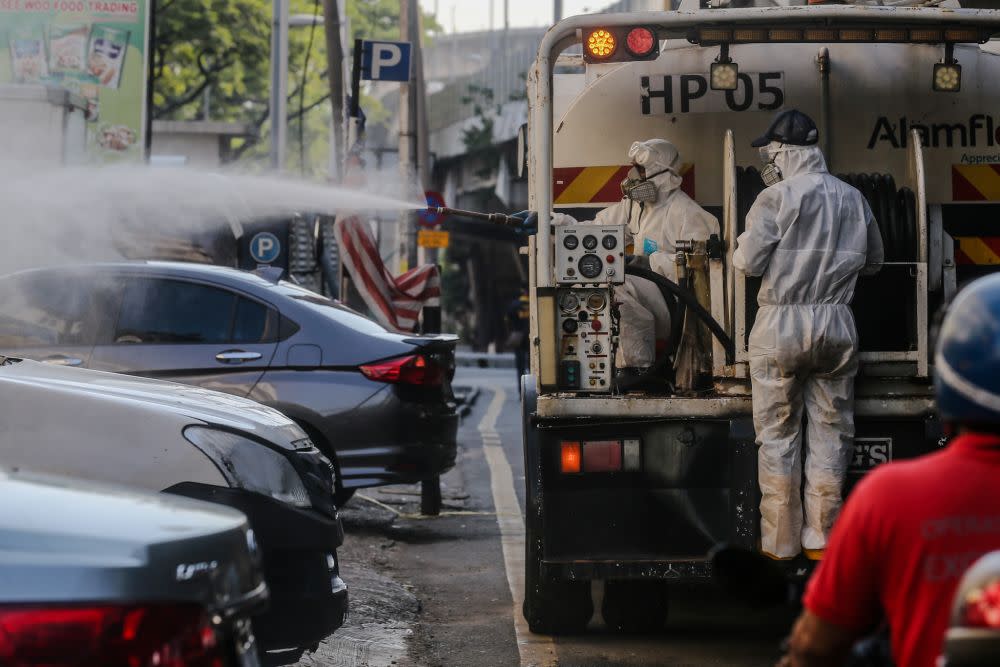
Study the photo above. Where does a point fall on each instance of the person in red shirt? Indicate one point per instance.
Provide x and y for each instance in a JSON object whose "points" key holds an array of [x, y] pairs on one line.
{"points": [[910, 529]]}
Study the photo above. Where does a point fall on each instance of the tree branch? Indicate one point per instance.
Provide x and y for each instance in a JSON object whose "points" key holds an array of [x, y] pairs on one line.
{"points": [[210, 77], [173, 105], [255, 138], [309, 107]]}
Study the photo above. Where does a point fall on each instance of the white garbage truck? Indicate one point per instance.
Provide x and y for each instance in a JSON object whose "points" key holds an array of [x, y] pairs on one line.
{"points": [[633, 482]]}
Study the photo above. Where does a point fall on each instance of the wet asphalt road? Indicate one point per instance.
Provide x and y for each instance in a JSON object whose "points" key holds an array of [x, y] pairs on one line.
{"points": [[436, 592]]}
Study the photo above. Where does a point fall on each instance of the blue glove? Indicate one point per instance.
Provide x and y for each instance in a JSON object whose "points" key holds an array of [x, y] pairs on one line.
{"points": [[529, 222]]}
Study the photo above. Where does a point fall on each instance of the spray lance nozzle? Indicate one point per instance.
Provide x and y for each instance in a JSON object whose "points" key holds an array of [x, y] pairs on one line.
{"points": [[495, 218]]}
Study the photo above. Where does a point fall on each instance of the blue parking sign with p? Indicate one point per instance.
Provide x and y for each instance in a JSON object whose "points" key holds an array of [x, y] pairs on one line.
{"points": [[385, 61], [265, 248]]}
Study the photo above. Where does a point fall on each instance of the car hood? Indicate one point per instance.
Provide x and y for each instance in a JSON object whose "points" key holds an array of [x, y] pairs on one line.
{"points": [[193, 403]]}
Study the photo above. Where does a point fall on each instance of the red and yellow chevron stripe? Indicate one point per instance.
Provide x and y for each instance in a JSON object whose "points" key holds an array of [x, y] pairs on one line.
{"points": [[572, 186], [982, 250], [975, 182]]}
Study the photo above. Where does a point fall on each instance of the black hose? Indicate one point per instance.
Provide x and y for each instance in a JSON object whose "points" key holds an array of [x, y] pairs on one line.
{"points": [[893, 219], [689, 300]]}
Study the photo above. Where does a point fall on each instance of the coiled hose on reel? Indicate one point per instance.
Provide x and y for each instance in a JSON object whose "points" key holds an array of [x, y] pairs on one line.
{"points": [[895, 209]]}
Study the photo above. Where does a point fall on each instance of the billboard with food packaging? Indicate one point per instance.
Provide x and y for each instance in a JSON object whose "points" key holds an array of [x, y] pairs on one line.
{"points": [[94, 48]]}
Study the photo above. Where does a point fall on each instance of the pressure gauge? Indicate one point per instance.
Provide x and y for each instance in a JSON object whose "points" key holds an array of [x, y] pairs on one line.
{"points": [[570, 242], [590, 265], [589, 242], [596, 301], [569, 302], [609, 242]]}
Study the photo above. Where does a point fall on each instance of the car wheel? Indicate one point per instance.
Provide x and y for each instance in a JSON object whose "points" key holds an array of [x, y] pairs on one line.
{"points": [[635, 606]]}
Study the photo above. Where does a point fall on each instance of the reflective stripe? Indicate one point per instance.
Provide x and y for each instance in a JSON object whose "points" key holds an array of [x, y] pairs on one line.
{"points": [[975, 182], [601, 184], [978, 395]]}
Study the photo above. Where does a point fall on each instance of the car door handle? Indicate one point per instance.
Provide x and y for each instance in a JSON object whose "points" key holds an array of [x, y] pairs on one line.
{"points": [[63, 361], [237, 356]]}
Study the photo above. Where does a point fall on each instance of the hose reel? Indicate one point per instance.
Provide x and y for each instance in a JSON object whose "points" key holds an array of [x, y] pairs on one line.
{"points": [[884, 305], [895, 209]]}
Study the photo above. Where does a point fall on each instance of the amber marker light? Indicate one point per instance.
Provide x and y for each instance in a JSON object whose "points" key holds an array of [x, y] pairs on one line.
{"points": [[570, 460], [601, 44]]}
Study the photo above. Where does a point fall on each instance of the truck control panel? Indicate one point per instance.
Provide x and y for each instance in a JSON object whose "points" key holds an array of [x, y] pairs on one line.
{"points": [[590, 260], [587, 339], [587, 253]]}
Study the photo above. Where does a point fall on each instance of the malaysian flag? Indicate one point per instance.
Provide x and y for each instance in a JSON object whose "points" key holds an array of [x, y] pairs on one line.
{"points": [[395, 301]]}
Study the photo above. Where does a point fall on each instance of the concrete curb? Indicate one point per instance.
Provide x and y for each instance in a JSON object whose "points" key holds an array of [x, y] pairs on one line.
{"points": [[485, 359], [466, 397]]}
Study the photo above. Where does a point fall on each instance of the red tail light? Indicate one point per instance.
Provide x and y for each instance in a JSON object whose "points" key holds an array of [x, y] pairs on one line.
{"points": [[640, 41], [108, 636], [982, 607], [602, 456], [413, 369]]}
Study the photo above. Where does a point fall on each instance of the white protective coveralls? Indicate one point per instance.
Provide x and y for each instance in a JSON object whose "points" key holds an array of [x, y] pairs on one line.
{"points": [[809, 235], [653, 230]]}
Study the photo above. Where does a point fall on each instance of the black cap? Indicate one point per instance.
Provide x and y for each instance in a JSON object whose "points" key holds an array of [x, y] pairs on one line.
{"points": [[790, 127]]}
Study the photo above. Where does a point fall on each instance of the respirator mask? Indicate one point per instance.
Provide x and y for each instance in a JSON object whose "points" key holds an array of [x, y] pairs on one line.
{"points": [[771, 172], [639, 188]]}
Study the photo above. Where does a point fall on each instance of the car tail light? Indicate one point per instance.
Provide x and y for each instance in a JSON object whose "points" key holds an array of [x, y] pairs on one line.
{"points": [[413, 369], [600, 456], [982, 607], [109, 636]]}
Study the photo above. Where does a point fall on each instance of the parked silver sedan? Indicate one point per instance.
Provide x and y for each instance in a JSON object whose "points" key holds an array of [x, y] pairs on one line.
{"points": [[379, 404]]}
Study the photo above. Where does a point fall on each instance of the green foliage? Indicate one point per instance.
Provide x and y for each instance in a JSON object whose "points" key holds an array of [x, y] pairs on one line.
{"points": [[379, 19], [480, 136], [219, 51]]}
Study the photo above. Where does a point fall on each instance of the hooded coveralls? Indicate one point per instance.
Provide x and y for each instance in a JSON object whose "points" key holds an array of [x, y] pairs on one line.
{"points": [[654, 229], [809, 235]]}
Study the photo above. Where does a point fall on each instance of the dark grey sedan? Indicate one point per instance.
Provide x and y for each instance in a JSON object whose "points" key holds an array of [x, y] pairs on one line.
{"points": [[378, 403]]}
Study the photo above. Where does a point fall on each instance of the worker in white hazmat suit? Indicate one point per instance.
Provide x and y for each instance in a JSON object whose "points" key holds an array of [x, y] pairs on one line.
{"points": [[658, 215], [809, 235]]}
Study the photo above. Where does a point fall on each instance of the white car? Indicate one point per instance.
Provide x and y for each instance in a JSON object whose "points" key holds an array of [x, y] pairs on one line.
{"points": [[202, 444]]}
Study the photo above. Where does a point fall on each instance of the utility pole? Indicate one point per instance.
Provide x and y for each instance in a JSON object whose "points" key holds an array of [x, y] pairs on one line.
{"points": [[409, 14], [425, 255], [556, 11], [279, 84], [335, 77]]}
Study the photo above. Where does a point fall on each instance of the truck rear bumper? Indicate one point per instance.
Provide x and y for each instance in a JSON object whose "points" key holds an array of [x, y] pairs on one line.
{"points": [[688, 571], [697, 489]]}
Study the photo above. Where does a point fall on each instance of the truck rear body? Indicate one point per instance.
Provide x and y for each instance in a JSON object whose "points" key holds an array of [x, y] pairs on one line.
{"points": [[928, 163]]}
